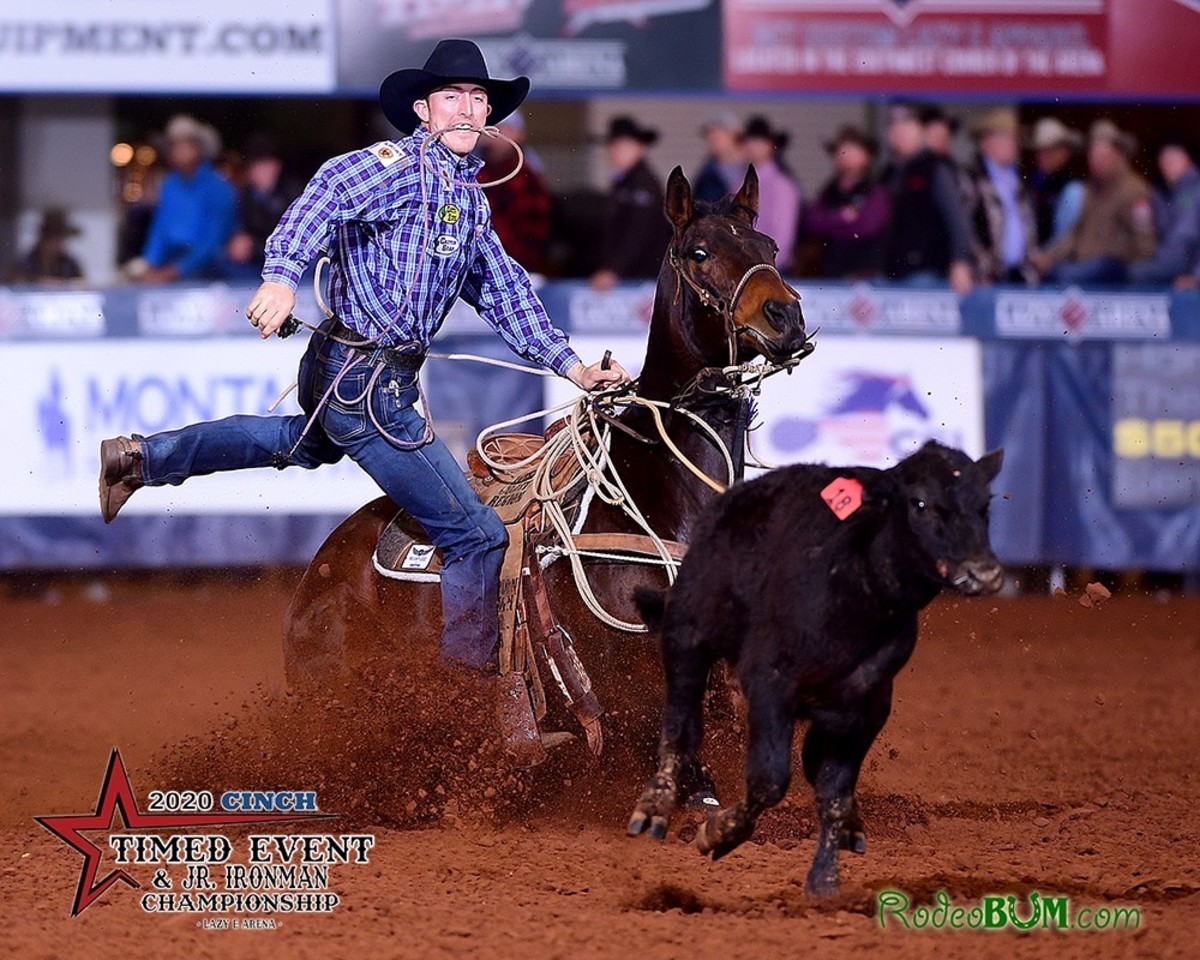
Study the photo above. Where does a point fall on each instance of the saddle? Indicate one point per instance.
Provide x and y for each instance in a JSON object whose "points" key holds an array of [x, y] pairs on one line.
{"points": [[531, 639]]}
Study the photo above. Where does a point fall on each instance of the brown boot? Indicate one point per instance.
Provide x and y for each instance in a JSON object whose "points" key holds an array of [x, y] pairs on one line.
{"points": [[120, 474]]}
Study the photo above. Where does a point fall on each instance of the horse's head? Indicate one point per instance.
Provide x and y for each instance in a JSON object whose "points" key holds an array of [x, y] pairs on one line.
{"points": [[730, 267]]}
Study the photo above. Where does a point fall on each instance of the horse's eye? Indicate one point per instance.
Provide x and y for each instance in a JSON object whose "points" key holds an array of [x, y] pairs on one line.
{"points": [[699, 254]]}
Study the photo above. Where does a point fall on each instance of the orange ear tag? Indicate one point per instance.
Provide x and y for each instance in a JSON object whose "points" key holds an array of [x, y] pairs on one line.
{"points": [[843, 496]]}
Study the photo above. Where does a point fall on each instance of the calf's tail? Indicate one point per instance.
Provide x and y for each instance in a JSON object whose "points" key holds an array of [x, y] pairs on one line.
{"points": [[651, 604]]}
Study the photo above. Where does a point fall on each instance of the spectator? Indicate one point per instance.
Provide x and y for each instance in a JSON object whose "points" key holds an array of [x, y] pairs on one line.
{"points": [[724, 167], [1056, 191], [929, 239], [49, 261], [636, 233], [1176, 217], [195, 214], [779, 195], [1116, 226], [849, 216], [261, 202], [940, 129], [1005, 231], [522, 208]]}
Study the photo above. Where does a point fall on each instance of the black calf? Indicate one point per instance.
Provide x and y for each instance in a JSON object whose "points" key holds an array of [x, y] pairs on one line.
{"points": [[808, 581]]}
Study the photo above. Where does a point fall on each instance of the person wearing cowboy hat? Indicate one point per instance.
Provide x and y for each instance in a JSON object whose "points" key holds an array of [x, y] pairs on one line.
{"points": [[849, 217], [1055, 187], [1116, 225], [635, 234], [1176, 217], [196, 212], [408, 233], [929, 238], [48, 260], [1005, 232], [780, 197], [724, 166]]}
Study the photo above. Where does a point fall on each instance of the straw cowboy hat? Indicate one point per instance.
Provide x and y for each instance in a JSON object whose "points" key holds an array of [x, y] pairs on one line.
{"points": [[1000, 120], [184, 127], [1052, 132], [1105, 131], [452, 61]]}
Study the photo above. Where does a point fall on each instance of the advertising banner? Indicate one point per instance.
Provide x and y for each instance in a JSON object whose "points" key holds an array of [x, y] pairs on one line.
{"points": [[70, 396], [167, 46], [1156, 425], [561, 45], [983, 47]]}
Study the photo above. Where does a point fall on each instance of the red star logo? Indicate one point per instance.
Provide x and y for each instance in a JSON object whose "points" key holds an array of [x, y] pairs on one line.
{"points": [[116, 793]]}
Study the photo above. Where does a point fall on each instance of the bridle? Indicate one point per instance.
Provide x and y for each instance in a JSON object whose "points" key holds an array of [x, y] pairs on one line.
{"points": [[727, 309]]}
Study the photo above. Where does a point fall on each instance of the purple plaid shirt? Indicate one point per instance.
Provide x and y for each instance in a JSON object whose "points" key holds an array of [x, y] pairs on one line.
{"points": [[364, 209]]}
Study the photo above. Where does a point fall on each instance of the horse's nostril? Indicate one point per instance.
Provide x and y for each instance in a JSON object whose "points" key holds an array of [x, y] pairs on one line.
{"points": [[777, 315]]}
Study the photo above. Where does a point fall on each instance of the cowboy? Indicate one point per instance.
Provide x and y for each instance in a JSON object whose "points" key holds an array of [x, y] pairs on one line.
{"points": [[1054, 186], [196, 213], [1005, 229], [636, 233], [1115, 228], [408, 232], [780, 197], [849, 217], [48, 261]]}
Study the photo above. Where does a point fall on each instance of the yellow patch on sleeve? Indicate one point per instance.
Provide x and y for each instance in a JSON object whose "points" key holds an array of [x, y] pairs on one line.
{"points": [[386, 153]]}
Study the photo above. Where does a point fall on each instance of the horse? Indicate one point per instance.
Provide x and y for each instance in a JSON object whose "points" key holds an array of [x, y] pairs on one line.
{"points": [[718, 299]]}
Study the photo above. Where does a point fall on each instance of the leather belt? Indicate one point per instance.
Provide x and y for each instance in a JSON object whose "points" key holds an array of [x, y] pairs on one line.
{"points": [[405, 358]]}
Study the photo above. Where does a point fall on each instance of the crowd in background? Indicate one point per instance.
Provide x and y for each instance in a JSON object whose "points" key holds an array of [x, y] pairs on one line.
{"points": [[1048, 206]]}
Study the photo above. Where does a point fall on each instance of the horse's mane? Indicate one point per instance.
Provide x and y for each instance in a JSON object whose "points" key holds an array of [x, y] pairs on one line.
{"points": [[727, 206]]}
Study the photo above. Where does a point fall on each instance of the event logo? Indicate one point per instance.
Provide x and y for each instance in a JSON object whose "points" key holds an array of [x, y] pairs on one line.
{"points": [[203, 873], [1078, 314], [877, 416]]}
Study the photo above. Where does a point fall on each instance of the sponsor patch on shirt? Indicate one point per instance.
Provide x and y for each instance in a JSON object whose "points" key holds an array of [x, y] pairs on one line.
{"points": [[449, 213], [385, 153], [445, 245]]}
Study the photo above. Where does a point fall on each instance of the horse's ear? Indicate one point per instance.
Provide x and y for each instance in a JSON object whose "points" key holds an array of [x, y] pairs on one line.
{"points": [[747, 197], [679, 199]]}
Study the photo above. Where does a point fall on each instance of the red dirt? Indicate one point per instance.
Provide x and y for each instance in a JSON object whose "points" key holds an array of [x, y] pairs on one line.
{"points": [[1035, 745]]}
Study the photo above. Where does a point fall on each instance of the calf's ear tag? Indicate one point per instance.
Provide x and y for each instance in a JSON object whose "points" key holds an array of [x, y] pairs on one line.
{"points": [[843, 496]]}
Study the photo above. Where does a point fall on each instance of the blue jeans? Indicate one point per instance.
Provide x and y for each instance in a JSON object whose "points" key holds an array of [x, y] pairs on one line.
{"points": [[1093, 270], [427, 482]]}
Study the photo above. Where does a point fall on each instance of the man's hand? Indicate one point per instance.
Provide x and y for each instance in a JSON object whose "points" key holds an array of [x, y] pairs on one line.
{"points": [[961, 279], [588, 378], [270, 306], [163, 274]]}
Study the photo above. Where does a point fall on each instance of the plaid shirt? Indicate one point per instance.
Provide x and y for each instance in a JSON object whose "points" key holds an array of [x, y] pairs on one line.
{"points": [[364, 208]]}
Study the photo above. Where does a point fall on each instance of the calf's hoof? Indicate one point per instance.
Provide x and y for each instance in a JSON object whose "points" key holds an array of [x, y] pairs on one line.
{"points": [[822, 885], [718, 836], [853, 840]]}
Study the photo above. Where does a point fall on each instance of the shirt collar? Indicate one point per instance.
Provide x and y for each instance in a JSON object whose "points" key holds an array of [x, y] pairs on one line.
{"points": [[444, 158]]}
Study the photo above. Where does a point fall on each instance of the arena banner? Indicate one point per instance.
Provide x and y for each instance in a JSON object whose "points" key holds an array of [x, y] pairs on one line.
{"points": [[1057, 411], [1156, 426], [167, 46], [982, 47], [561, 45], [73, 395]]}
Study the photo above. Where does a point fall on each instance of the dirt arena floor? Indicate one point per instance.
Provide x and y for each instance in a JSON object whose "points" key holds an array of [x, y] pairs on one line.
{"points": [[1036, 744]]}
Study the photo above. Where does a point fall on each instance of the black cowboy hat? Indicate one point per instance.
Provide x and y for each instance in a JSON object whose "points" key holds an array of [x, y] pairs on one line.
{"points": [[623, 126], [452, 61], [56, 223], [758, 128], [932, 113], [851, 134]]}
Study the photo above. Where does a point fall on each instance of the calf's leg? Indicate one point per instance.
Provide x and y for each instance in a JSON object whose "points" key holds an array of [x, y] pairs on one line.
{"points": [[833, 753], [768, 770], [683, 729]]}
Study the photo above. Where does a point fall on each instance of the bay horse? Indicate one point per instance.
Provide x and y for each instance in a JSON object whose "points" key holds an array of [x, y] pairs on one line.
{"points": [[718, 298]]}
